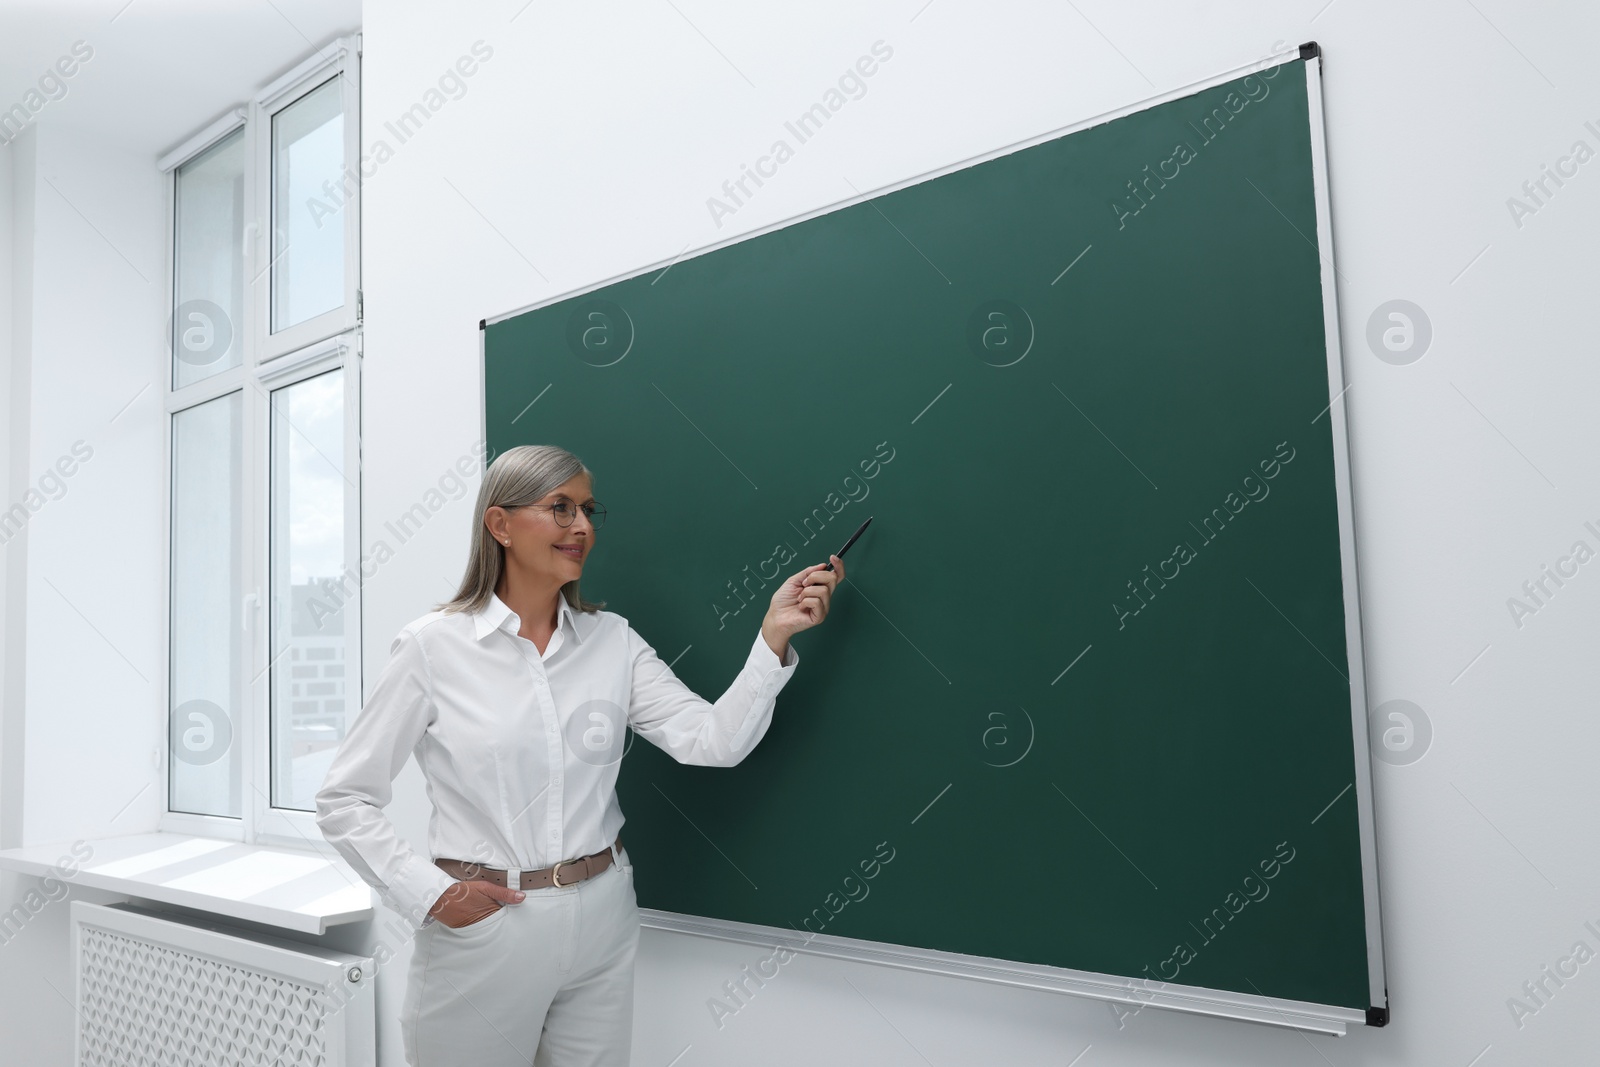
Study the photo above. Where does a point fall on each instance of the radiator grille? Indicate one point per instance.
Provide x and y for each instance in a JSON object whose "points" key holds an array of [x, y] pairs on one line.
{"points": [[157, 992], [145, 1003]]}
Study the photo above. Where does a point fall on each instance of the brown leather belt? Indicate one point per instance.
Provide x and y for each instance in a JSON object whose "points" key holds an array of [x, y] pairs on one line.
{"points": [[563, 874]]}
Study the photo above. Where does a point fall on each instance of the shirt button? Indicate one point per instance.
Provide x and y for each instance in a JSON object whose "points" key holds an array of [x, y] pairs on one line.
{"points": [[556, 781]]}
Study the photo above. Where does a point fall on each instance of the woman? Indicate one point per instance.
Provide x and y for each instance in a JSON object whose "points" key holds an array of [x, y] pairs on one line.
{"points": [[516, 697]]}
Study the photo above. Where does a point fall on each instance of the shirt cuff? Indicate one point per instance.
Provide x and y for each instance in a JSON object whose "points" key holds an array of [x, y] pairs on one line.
{"points": [[764, 661], [417, 890]]}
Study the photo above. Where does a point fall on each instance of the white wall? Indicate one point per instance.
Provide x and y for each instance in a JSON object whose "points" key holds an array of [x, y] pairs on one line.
{"points": [[10, 750], [587, 146], [84, 582], [95, 660]]}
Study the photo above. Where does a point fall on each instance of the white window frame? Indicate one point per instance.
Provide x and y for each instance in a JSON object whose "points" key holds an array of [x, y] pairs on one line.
{"points": [[328, 342], [343, 61]]}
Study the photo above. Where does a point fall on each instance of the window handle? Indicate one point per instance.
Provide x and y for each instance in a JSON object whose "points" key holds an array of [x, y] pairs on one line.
{"points": [[247, 607]]}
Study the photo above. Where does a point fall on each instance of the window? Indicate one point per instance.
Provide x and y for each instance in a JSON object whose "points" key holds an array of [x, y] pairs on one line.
{"points": [[208, 262], [205, 671], [309, 204], [307, 250], [308, 556], [263, 400]]}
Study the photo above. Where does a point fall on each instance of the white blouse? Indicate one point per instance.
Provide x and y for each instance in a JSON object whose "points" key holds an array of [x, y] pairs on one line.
{"points": [[520, 751]]}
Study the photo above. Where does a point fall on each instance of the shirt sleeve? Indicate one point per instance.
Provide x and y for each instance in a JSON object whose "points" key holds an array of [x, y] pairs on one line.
{"points": [[357, 787], [689, 728]]}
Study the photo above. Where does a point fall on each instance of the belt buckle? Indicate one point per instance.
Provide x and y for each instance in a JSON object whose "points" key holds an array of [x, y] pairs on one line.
{"points": [[514, 878], [555, 874]]}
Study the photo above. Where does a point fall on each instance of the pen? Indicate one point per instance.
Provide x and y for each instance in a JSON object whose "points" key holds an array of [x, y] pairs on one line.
{"points": [[848, 543]]}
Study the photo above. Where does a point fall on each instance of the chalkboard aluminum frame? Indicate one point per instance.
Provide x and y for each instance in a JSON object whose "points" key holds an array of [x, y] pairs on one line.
{"points": [[1322, 1018]]}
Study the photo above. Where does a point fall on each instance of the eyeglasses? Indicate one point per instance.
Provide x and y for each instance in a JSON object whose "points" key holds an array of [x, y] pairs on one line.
{"points": [[564, 512]]}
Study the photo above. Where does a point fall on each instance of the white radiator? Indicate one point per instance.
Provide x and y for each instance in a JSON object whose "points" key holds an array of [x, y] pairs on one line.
{"points": [[160, 990]]}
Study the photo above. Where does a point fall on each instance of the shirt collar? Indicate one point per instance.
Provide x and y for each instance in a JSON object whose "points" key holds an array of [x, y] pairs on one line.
{"points": [[497, 615]]}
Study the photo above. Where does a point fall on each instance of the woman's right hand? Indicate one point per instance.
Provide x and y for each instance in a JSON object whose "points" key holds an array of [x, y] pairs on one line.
{"points": [[468, 902]]}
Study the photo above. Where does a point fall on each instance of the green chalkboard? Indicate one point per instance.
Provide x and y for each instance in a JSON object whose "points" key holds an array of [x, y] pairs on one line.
{"points": [[1085, 698]]}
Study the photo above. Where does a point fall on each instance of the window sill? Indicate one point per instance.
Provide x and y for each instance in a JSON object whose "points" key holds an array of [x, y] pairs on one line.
{"points": [[295, 889]]}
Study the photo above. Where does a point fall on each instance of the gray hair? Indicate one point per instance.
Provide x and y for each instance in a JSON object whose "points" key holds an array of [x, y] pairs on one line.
{"points": [[520, 475]]}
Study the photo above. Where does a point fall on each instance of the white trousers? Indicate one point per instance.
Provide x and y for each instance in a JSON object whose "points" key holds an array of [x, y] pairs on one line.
{"points": [[546, 982]]}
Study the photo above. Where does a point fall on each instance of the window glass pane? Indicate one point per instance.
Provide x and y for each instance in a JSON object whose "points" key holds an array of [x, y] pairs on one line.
{"points": [[307, 206], [309, 587], [206, 534], [208, 263]]}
